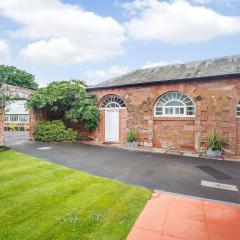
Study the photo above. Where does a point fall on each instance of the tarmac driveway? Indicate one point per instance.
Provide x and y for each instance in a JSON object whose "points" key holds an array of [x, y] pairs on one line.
{"points": [[178, 174]]}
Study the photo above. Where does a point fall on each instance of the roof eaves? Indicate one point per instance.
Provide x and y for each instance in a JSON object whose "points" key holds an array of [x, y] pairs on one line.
{"points": [[213, 77]]}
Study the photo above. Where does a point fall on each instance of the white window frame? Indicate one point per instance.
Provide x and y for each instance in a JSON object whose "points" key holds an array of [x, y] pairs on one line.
{"points": [[238, 106], [166, 95], [16, 118], [112, 99]]}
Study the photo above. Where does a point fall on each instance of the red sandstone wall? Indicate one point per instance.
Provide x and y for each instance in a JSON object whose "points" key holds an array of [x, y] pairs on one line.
{"points": [[215, 101], [238, 136], [172, 133], [34, 117]]}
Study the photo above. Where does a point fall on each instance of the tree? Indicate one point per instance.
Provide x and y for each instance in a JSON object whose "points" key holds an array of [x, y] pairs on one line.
{"points": [[68, 101], [14, 76], [5, 97]]}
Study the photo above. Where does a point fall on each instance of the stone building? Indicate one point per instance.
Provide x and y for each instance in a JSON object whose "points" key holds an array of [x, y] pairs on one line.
{"points": [[174, 106]]}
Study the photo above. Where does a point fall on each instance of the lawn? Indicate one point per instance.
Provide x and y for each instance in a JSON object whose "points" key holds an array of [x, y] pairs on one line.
{"points": [[42, 200]]}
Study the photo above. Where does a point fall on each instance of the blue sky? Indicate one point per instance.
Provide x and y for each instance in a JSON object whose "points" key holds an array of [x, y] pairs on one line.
{"points": [[96, 40]]}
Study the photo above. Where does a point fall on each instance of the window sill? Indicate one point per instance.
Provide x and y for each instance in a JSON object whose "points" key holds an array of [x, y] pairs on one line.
{"points": [[190, 118]]}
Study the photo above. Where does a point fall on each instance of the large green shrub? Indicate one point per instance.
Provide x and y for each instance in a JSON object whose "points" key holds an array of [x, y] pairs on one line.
{"points": [[68, 101], [54, 131]]}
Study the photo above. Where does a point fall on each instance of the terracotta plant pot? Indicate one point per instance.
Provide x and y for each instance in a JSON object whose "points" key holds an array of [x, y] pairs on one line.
{"points": [[211, 153]]}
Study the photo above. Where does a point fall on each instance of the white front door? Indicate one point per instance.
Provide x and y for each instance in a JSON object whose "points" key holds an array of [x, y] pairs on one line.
{"points": [[112, 124]]}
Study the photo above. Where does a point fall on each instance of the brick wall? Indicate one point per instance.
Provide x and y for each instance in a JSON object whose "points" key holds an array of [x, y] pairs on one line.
{"points": [[18, 93], [34, 117], [215, 101]]}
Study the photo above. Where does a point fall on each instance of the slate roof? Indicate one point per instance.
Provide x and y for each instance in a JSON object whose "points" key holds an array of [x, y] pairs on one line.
{"points": [[210, 68]]}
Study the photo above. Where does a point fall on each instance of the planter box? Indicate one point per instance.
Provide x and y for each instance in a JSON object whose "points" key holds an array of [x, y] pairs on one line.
{"points": [[214, 154], [132, 144]]}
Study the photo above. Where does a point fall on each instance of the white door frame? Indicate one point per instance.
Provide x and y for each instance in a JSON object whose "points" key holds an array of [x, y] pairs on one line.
{"points": [[112, 125]]}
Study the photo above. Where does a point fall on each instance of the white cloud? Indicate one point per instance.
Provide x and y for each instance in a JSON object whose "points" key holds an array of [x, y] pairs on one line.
{"points": [[136, 5], [224, 2], [177, 22], [97, 75], [63, 33], [4, 52], [62, 50], [203, 1], [160, 63]]}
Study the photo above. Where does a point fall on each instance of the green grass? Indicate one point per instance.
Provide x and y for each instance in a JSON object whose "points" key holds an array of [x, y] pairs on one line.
{"points": [[41, 200]]}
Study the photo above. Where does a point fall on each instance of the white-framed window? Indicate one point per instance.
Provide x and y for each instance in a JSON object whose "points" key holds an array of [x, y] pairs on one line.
{"points": [[16, 118], [238, 109], [174, 104], [112, 101]]}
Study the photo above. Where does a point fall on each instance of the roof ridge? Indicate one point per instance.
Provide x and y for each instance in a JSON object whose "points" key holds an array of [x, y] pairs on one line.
{"points": [[191, 62]]}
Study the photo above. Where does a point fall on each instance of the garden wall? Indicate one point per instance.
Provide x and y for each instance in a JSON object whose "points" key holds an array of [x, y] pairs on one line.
{"points": [[16, 92]]}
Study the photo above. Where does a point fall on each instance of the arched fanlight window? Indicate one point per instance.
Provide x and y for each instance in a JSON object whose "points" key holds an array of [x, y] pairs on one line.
{"points": [[174, 104], [112, 101], [238, 109]]}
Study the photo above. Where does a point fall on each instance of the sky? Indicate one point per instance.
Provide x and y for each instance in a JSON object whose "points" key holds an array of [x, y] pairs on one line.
{"points": [[95, 40]]}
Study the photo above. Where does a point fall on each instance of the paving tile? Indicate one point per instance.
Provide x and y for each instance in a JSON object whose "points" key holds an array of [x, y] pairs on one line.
{"points": [[189, 154], [233, 158], [174, 153], [153, 215], [225, 217], [218, 232], [215, 204], [167, 237], [142, 234], [187, 211], [178, 199], [159, 150], [175, 217], [185, 228]]}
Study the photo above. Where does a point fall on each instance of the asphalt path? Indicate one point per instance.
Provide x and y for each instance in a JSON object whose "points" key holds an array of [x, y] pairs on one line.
{"points": [[171, 173]]}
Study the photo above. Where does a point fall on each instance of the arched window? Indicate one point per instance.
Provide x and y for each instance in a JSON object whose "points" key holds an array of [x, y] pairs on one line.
{"points": [[174, 104], [238, 109], [112, 101]]}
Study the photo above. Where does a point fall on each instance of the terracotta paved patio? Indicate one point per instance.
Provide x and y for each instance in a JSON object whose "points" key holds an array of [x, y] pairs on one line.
{"points": [[175, 217]]}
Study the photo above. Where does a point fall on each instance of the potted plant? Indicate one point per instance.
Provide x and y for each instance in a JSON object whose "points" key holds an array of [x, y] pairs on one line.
{"points": [[215, 144], [132, 138]]}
